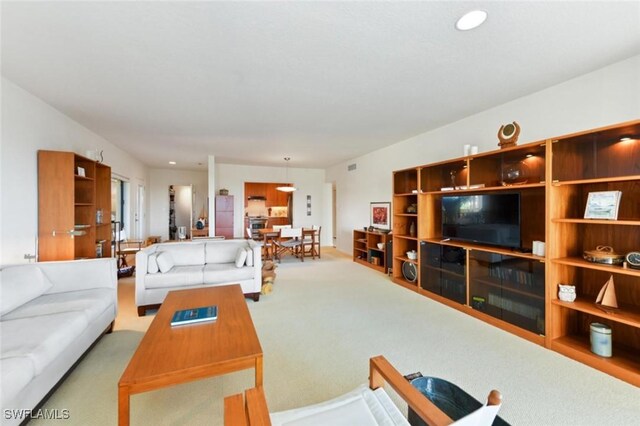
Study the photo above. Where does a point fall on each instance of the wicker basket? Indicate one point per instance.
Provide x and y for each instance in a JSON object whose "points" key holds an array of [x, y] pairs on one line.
{"points": [[603, 254]]}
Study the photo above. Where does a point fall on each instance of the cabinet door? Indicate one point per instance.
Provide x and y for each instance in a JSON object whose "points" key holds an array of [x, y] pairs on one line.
{"points": [[443, 271], [508, 288], [56, 209]]}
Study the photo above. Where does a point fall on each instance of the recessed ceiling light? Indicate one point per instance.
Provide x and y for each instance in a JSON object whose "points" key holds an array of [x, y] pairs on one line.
{"points": [[471, 20], [173, 163]]}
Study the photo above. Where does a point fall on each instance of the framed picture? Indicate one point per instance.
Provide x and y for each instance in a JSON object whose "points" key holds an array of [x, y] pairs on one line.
{"points": [[603, 205], [81, 171], [381, 215]]}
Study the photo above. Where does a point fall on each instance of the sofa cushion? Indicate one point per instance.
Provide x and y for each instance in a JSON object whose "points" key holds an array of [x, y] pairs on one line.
{"points": [[17, 372], [178, 276], [91, 303], [49, 336], [223, 251], [21, 284], [218, 273], [165, 261], [152, 264], [241, 257], [185, 254], [249, 260]]}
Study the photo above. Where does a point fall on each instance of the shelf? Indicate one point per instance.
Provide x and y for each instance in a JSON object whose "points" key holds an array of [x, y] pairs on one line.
{"points": [[78, 177], [376, 249], [406, 214], [406, 259], [406, 237], [407, 284], [83, 204], [624, 363], [629, 315], [358, 249], [487, 188], [492, 249], [598, 180], [598, 221], [487, 281], [406, 194], [446, 271], [581, 263]]}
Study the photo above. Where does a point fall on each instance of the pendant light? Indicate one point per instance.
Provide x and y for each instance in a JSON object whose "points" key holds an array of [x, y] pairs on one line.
{"points": [[287, 188]]}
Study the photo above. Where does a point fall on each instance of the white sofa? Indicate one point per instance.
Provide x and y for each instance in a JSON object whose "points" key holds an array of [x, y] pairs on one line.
{"points": [[164, 267], [51, 313]]}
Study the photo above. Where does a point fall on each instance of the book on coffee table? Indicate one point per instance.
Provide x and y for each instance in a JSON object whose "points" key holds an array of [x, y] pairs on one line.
{"points": [[195, 315]]}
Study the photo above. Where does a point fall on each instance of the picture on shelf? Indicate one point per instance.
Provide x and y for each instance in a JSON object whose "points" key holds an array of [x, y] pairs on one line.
{"points": [[380, 217], [603, 205], [81, 172]]}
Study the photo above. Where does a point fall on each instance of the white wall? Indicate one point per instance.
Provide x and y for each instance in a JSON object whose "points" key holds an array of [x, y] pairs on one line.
{"points": [[158, 195], [28, 125], [603, 97], [308, 182]]}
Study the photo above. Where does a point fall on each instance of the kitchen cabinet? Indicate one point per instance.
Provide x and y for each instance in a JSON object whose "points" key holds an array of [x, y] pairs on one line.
{"points": [[276, 198]]}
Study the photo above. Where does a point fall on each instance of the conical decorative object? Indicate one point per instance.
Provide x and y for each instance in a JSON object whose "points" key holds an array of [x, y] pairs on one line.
{"points": [[607, 296], [412, 229]]}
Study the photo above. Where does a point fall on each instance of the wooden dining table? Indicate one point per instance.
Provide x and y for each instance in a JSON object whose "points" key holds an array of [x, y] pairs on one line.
{"points": [[269, 235]]}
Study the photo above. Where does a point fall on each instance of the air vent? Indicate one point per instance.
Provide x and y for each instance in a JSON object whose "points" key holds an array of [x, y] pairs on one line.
{"points": [[351, 167]]}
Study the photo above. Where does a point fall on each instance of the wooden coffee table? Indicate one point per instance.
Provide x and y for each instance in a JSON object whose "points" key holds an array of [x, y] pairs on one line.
{"points": [[169, 355]]}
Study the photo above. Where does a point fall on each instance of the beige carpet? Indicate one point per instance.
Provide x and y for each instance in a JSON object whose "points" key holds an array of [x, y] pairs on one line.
{"points": [[318, 329]]}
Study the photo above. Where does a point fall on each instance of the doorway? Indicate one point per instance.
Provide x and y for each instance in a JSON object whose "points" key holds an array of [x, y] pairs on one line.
{"points": [[180, 211]]}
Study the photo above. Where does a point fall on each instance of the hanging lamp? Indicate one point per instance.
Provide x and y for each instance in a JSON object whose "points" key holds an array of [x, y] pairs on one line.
{"points": [[287, 188]]}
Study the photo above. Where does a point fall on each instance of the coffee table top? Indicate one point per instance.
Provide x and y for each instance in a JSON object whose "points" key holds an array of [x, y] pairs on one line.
{"points": [[169, 354]]}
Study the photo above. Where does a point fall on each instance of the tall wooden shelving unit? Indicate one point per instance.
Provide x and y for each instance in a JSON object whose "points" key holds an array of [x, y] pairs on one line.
{"points": [[599, 160], [516, 290], [68, 203]]}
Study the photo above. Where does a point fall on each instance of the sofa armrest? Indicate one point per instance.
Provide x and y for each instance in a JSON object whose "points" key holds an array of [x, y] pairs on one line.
{"points": [[77, 275]]}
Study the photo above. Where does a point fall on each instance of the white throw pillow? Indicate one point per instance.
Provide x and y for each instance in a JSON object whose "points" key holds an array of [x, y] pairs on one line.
{"points": [[249, 261], [241, 257], [21, 284], [152, 263], [165, 261]]}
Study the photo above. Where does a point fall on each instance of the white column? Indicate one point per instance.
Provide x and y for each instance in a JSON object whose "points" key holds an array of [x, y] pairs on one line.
{"points": [[212, 195]]}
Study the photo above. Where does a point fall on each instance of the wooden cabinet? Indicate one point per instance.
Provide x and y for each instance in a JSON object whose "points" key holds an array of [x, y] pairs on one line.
{"points": [[74, 207], [606, 159], [513, 288], [370, 249], [276, 198], [254, 189], [224, 216]]}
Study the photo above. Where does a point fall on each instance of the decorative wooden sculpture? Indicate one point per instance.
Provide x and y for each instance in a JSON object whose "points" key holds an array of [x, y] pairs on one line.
{"points": [[606, 299], [508, 134]]}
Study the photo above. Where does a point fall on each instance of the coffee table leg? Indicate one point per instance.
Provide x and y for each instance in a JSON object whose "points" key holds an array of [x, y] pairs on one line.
{"points": [[123, 406], [259, 371]]}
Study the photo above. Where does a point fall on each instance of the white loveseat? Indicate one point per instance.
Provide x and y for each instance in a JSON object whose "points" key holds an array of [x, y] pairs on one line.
{"points": [[164, 267], [51, 313]]}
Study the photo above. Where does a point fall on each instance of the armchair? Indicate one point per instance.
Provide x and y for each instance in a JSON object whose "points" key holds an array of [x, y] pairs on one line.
{"points": [[366, 405]]}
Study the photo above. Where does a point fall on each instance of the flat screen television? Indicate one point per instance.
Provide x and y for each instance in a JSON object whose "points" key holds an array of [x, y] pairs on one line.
{"points": [[492, 219]]}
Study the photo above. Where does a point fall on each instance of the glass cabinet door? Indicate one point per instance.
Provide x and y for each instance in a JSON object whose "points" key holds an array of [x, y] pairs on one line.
{"points": [[443, 271], [509, 288]]}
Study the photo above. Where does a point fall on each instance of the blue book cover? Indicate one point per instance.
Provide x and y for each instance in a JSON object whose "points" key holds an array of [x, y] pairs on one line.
{"points": [[195, 315]]}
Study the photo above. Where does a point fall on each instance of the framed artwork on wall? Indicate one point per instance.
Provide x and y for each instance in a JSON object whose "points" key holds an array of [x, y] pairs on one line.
{"points": [[381, 215]]}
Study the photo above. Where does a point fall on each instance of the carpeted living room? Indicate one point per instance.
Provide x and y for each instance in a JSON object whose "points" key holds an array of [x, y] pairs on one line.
{"points": [[318, 328], [438, 196]]}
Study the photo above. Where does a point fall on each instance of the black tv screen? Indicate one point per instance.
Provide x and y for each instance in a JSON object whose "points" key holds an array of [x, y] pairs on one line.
{"points": [[492, 219]]}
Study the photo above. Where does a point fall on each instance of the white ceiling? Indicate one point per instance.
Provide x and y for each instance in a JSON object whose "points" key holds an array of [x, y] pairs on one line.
{"points": [[321, 82]]}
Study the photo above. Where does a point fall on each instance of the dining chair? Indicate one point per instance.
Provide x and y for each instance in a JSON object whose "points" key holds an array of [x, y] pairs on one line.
{"points": [[289, 241], [311, 241], [269, 245]]}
